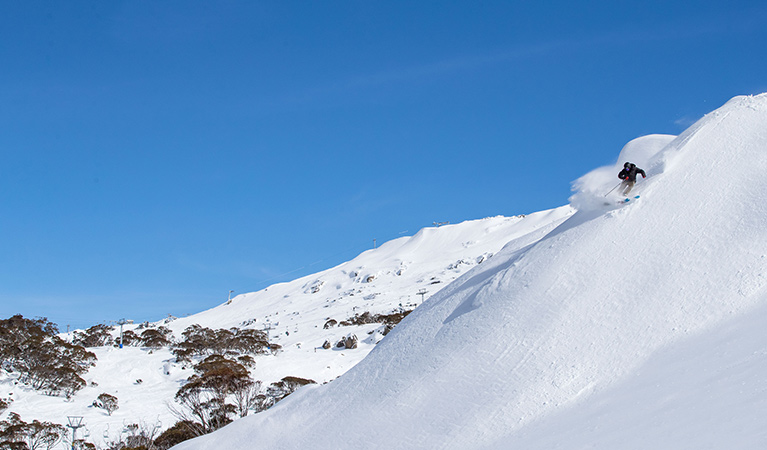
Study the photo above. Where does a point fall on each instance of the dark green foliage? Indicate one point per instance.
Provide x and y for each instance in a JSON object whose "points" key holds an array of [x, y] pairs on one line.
{"points": [[44, 361], [95, 336], [4, 404]]}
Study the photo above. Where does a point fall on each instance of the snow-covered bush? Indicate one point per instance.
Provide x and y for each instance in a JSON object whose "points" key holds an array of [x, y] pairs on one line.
{"points": [[106, 402]]}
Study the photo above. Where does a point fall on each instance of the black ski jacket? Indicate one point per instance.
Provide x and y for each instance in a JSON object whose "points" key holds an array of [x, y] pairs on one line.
{"points": [[631, 174]]}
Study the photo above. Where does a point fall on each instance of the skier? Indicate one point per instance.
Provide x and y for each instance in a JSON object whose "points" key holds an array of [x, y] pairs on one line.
{"points": [[629, 176]]}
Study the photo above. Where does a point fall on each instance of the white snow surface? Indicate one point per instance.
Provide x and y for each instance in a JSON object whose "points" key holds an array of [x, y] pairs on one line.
{"points": [[381, 281], [627, 326]]}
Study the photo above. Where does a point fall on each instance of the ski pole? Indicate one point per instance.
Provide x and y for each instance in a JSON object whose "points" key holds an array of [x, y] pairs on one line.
{"points": [[613, 189]]}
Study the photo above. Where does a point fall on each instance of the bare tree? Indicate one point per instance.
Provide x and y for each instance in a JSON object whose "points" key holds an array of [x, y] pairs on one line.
{"points": [[246, 396]]}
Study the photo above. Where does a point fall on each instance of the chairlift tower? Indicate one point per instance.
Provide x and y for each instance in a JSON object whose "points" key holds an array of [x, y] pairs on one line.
{"points": [[75, 422], [422, 293], [122, 322]]}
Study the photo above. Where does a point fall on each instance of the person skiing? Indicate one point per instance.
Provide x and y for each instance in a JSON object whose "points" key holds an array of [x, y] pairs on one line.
{"points": [[629, 176]]}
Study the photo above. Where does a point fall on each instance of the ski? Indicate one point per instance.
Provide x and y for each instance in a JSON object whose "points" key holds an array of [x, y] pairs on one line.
{"points": [[622, 201], [628, 199]]}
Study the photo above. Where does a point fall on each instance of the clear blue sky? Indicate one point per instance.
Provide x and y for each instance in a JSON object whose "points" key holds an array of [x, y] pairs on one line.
{"points": [[156, 154]]}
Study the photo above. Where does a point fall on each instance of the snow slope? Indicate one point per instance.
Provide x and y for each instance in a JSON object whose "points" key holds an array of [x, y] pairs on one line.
{"points": [[550, 340], [381, 280]]}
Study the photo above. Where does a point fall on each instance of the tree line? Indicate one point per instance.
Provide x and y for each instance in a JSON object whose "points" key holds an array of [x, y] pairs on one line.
{"points": [[219, 391]]}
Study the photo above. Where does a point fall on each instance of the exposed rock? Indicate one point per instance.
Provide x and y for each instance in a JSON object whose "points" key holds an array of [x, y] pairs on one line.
{"points": [[351, 341]]}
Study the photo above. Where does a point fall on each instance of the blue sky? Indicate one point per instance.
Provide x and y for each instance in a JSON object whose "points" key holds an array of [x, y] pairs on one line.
{"points": [[156, 155]]}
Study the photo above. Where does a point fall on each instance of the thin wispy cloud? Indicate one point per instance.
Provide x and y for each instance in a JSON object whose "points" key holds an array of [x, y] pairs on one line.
{"points": [[675, 31]]}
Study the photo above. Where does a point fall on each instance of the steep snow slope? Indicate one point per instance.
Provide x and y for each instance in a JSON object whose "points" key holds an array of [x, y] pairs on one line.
{"points": [[379, 281], [707, 392], [382, 280], [544, 330]]}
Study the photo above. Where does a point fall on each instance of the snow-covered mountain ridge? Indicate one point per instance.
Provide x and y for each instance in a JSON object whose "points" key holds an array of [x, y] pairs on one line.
{"points": [[546, 342], [379, 281]]}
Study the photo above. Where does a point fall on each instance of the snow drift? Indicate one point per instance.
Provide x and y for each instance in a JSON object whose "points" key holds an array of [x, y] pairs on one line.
{"points": [[514, 351]]}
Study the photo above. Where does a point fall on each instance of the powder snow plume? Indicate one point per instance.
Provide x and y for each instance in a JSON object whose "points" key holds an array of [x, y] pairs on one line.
{"points": [[647, 152]]}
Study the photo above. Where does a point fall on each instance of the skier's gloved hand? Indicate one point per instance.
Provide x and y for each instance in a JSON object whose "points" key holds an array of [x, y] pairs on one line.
{"points": [[644, 176]]}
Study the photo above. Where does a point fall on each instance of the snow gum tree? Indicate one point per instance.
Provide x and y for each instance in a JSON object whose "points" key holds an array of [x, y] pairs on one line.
{"points": [[15, 434], [203, 341], [128, 338], [42, 359], [219, 390], [95, 336], [155, 337], [106, 402], [178, 433]]}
